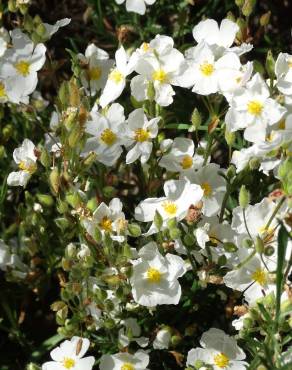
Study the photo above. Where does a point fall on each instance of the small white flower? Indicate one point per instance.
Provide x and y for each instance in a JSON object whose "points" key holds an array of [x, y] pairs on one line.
{"points": [[155, 278], [98, 66], [162, 339], [68, 356], [181, 156], [51, 29], [140, 133], [136, 6], [25, 158], [124, 361], [131, 331], [219, 350], [283, 70], [116, 81]]}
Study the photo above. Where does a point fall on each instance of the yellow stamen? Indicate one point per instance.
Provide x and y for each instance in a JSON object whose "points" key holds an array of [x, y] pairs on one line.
{"points": [[141, 135], [221, 360], [260, 276], [116, 76], [108, 137], [68, 363], [282, 124], [207, 189], [2, 90], [30, 168], [170, 208], [106, 224], [153, 275], [160, 75], [207, 69], [186, 162], [22, 67], [290, 63], [94, 74], [255, 107], [145, 46]]}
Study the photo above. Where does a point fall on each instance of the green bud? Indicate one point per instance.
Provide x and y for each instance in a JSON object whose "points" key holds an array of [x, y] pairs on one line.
{"points": [[172, 223], [222, 260], [231, 16], [109, 306], [32, 366], [73, 199], [41, 30], [109, 191], [175, 340], [2, 152], [55, 180], [62, 223], [259, 245], [230, 137], [64, 94], [200, 151], [239, 3], [45, 158], [189, 240], [248, 7], [23, 9], [231, 172], [196, 119], [254, 163], [158, 220], [247, 243], [12, 6], [269, 250], [62, 313], [109, 324], [28, 23], [242, 29], [74, 137], [285, 175], [230, 247], [45, 200], [90, 159], [244, 197], [198, 364], [62, 206], [92, 204], [135, 103], [174, 233], [150, 91], [270, 64], [7, 132], [134, 230], [58, 305], [265, 19]]}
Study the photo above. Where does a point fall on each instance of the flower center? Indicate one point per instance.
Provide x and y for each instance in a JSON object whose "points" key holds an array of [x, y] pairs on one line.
{"points": [[68, 363], [260, 276], [153, 275], [116, 76], [221, 360], [127, 366], [27, 167], [206, 188], [255, 107], [186, 162], [2, 90], [108, 137], [145, 46], [207, 69], [106, 224], [94, 73], [141, 135], [22, 67], [160, 75], [169, 207]]}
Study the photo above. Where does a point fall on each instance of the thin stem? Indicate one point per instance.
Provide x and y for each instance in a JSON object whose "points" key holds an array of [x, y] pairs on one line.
{"points": [[279, 205]]}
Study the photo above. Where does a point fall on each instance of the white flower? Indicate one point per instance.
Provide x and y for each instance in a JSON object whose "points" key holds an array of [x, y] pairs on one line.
{"points": [[160, 67], [136, 6], [162, 339], [252, 109], [283, 70], [69, 356], [124, 361], [4, 40], [21, 63], [107, 133], [218, 38], [131, 331], [25, 158], [51, 29], [116, 81], [179, 196], [97, 67], [213, 185], [219, 350], [108, 219], [140, 132], [181, 157], [155, 278]]}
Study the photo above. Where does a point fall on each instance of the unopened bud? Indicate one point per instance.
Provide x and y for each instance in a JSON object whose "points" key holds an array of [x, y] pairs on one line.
{"points": [[244, 197], [269, 250], [196, 119], [265, 19], [45, 158], [175, 233], [270, 64], [259, 245], [134, 230], [254, 163], [158, 220], [229, 137], [55, 180], [248, 7], [45, 200], [230, 247]]}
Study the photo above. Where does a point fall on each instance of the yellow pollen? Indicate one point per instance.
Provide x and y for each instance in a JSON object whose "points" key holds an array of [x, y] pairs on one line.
{"points": [[221, 360], [260, 276], [30, 168], [145, 46], [68, 363], [207, 69], [160, 75], [141, 135], [282, 124], [153, 275], [2, 90], [170, 208], [255, 107], [94, 74], [116, 76], [207, 189], [108, 137], [270, 137], [186, 162], [22, 67], [106, 224]]}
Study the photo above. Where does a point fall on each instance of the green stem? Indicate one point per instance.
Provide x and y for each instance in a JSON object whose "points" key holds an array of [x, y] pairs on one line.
{"points": [[279, 205], [208, 150]]}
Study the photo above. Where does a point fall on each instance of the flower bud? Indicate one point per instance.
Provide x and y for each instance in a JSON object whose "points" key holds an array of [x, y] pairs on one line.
{"points": [[134, 230], [229, 137], [158, 221], [90, 159], [248, 7], [196, 119], [174, 233], [55, 180], [73, 199], [176, 340], [239, 3], [45, 158], [150, 91], [231, 172], [244, 197], [269, 250], [41, 30], [32, 366], [265, 19], [45, 200], [2, 152], [270, 64], [259, 245], [12, 6], [254, 163], [230, 247], [247, 243], [189, 240], [222, 260]]}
